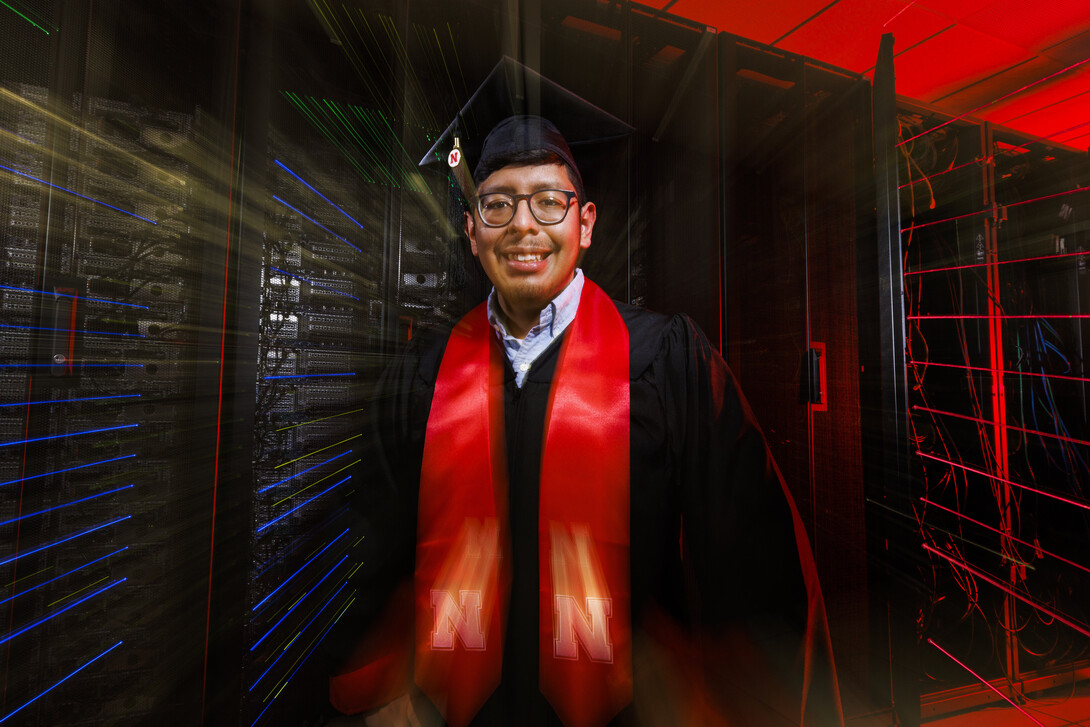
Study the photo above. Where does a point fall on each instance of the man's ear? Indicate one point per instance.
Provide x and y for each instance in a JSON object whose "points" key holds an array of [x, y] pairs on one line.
{"points": [[471, 232], [587, 215]]}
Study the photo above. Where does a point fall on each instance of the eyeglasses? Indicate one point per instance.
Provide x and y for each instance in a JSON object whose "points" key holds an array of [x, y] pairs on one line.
{"points": [[548, 206]]}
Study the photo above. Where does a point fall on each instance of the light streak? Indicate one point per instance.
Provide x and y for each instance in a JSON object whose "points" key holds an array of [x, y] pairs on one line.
{"points": [[305, 376], [308, 454], [1081, 628], [58, 612], [998, 262], [80, 534], [984, 682], [298, 542], [63, 575], [65, 295], [298, 602], [67, 504], [82, 365], [69, 330], [281, 655], [266, 488], [303, 504], [319, 224], [1019, 485], [299, 661], [1009, 426], [65, 436], [312, 189], [998, 206], [320, 419], [1010, 372], [76, 194], [1001, 317], [1034, 546], [315, 483], [9, 715], [70, 401], [24, 17], [300, 277], [67, 469], [995, 101], [939, 174], [301, 569]]}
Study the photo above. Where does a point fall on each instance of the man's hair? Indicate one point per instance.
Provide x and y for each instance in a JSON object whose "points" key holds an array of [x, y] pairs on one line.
{"points": [[531, 158]]}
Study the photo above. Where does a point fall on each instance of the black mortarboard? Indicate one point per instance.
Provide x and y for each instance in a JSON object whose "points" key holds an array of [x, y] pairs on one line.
{"points": [[517, 109]]}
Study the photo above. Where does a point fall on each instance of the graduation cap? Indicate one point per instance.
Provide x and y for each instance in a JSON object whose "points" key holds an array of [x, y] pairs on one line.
{"points": [[517, 109]]}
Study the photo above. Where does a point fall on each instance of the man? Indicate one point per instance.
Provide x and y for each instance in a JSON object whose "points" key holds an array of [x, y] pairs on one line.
{"points": [[601, 536]]}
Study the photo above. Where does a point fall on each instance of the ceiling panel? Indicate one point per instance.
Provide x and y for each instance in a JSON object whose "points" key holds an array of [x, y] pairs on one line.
{"points": [[955, 9], [1032, 24], [834, 36], [757, 21], [1071, 85], [959, 56], [995, 49]]}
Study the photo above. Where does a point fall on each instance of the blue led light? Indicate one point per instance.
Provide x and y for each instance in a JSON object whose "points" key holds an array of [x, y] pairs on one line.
{"points": [[64, 575], [298, 542], [317, 642], [77, 194], [69, 330], [300, 277], [304, 214], [306, 376], [58, 612], [69, 401], [67, 504], [65, 295], [80, 534], [9, 715], [296, 604], [73, 434], [312, 189], [308, 469], [67, 469], [284, 651], [301, 569], [278, 518]]}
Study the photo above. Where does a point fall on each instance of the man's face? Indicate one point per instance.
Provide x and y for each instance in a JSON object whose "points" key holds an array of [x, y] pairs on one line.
{"points": [[530, 263]]}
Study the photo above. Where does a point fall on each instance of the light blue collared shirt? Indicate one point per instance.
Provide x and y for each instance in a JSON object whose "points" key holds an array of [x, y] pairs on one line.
{"points": [[555, 317]]}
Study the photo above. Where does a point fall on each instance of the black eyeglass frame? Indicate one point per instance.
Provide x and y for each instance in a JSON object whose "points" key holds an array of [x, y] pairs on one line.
{"points": [[516, 198]]}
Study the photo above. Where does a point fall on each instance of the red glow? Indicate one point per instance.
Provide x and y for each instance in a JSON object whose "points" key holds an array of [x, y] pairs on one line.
{"points": [[984, 682], [998, 262], [1080, 627], [1060, 377], [1009, 426], [1006, 535], [998, 317], [967, 468], [1005, 96]]}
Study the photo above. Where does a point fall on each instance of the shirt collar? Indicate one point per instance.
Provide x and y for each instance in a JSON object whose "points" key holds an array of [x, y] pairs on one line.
{"points": [[555, 316]]}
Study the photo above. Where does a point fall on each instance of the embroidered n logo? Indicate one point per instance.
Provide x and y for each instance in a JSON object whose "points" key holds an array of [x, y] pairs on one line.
{"points": [[582, 606], [450, 619]]}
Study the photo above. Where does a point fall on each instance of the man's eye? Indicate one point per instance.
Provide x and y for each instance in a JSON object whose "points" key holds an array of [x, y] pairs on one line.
{"points": [[492, 203], [550, 201]]}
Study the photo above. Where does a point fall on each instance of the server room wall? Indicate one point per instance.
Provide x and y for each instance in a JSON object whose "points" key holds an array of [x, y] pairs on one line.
{"points": [[216, 234]]}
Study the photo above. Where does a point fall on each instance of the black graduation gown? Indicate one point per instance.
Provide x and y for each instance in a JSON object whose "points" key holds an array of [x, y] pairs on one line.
{"points": [[725, 611]]}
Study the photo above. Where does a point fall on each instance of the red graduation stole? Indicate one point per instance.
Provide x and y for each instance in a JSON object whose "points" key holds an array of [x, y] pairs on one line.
{"points": [[462, 577]]}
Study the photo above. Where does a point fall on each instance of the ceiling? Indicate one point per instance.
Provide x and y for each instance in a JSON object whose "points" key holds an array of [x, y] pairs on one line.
{"points": [[1021, 64]]}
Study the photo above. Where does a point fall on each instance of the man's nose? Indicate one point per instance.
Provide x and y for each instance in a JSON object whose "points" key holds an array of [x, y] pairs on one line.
{"points": [[523, 217]]}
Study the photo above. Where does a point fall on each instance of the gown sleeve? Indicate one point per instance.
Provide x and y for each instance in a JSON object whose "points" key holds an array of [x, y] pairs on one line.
{"points": [[370, 649], [756, 603]]}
